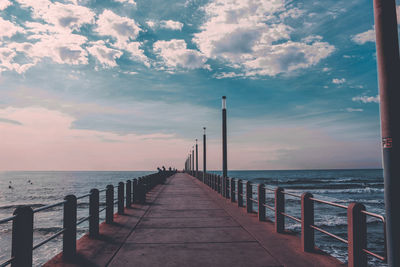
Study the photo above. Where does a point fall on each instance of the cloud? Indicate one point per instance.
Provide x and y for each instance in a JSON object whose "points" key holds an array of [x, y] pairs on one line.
{"points": [[251, 35], [46, 141], [224, 75], [366, 99], [176, 55], [354, 110], [8, 29], [170, 24], [61, 16], [104, 54], [123, 29], [2, 120], [364, 37], [131, 2], [165, 24], [4, 4], [338, 81]]}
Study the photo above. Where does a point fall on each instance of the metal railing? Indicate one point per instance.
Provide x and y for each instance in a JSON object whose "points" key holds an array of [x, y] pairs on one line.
{"points": [[131, 192], [356, 215]]}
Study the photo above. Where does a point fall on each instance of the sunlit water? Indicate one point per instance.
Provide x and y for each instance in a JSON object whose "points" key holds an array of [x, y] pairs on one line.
{"points": [[340, 186]]}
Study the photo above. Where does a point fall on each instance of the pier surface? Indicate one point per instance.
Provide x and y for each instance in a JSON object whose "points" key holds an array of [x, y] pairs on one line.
{"points": [[185, 223]]}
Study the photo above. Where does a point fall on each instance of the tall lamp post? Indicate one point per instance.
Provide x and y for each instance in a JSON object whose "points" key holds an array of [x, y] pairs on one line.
{"points": [[197, 161], [204, 155], [387, 53], [224, 148]]}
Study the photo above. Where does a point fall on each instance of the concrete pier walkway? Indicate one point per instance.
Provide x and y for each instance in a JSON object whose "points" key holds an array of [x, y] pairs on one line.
{"points": [[185, 223]]}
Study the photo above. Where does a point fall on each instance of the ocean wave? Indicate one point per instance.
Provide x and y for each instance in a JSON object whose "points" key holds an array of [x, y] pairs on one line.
{"points": [[349, 191], [14, 206]]}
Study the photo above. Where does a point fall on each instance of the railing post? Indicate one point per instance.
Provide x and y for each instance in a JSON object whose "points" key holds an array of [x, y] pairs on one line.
{"points": [[140, 193], [279, 208], [120, 198], [249, 195], [134, 189], [128, 193], [240, 193], [226, 187], [109, 204], [69, 236], [357, 235], [22, 237], [307, 219], [261, 202], [233, 190], [94, 213]]}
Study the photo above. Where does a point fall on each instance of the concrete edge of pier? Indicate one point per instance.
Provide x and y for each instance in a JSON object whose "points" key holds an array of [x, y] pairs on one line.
{"points": [[286, 247], [101, 250]]}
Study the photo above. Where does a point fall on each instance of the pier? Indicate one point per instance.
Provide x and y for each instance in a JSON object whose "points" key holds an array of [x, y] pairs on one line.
{"points": [[185, 223]]}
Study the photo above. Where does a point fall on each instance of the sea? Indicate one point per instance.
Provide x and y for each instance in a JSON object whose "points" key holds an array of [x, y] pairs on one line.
{"points": [[37, 188]]}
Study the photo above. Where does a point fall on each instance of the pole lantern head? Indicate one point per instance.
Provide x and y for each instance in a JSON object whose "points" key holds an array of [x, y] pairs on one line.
{"points": [[204, 129], [224, 102]]}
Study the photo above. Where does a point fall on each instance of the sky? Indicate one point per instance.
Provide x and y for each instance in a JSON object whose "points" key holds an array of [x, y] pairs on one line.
{"points": [[129, 84]]}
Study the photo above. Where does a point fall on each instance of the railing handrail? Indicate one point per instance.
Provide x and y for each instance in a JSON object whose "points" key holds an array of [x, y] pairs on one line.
{"points": [[241, 193], [143, 184]]}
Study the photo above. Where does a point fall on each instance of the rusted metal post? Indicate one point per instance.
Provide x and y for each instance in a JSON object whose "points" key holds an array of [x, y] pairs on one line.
{"points": [[233, 189], [204, 154], [249, 195], [279, 208], [240, 193], [22, 237], [387, 53], [224, 148], [94, 213], [261, 202], [128, 193], [120, 198], [357, 235], [109, 204], [69, 236], [307, 219]]}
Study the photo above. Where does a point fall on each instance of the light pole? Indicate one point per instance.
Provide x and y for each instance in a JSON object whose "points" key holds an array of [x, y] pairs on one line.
{"points": [[204, 154], [193, 161], [224, 148], [387, 53], [197, 161]]}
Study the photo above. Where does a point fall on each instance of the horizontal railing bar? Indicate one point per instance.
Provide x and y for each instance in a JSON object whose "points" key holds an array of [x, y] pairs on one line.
{"points": [[291, 194], [87, 195], [7, 262], [48, 239], [49, 206], [254, 200], [103, 190], [269, 207], [103, 209], [382, 258], [329, 203], [330, 234], [374, 215], [269, 189], [82, 220], [7, 219], [291, 217]]}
